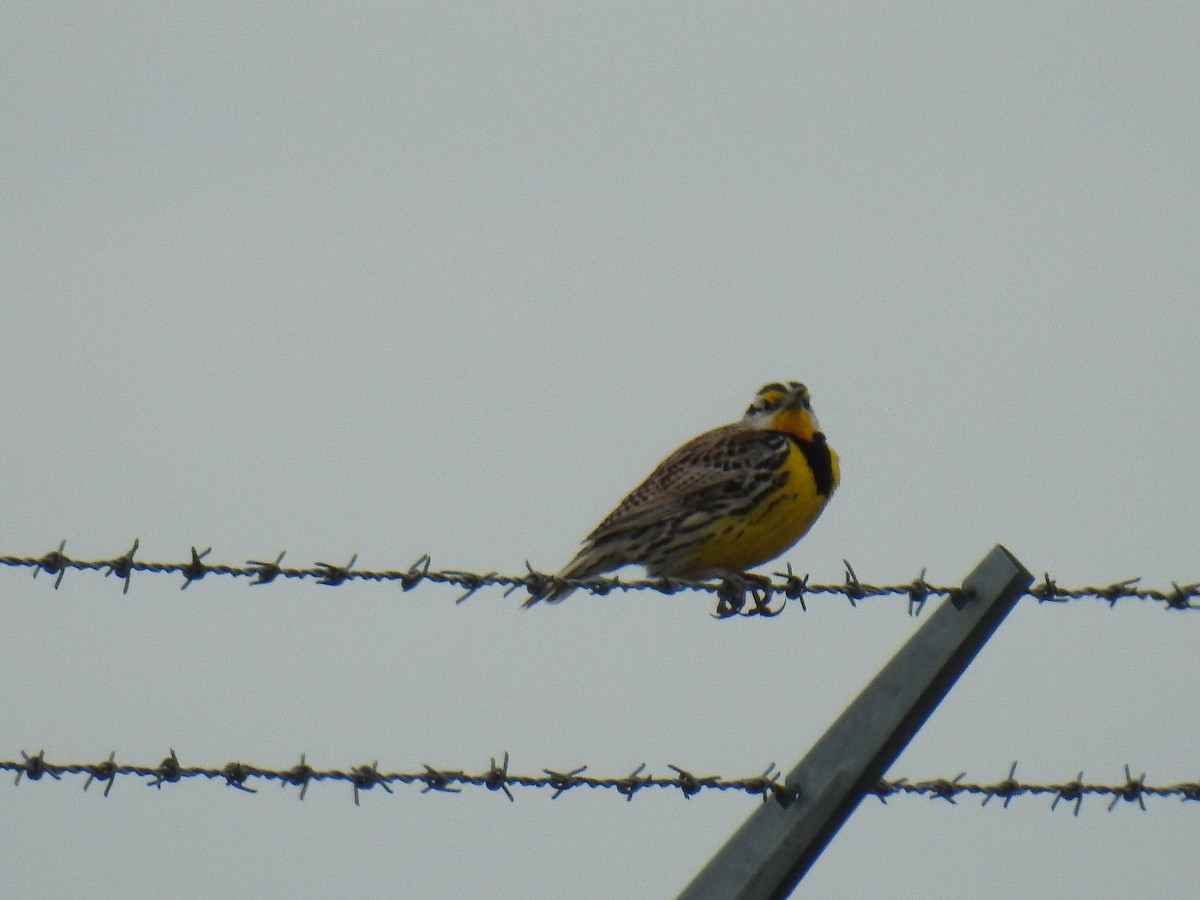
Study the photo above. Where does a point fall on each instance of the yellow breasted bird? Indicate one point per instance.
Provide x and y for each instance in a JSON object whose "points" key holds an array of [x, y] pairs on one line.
{"points": [[724, 502]]}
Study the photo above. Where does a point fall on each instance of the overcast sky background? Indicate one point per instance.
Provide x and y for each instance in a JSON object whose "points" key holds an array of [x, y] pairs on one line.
{"points": [[445, 278]]}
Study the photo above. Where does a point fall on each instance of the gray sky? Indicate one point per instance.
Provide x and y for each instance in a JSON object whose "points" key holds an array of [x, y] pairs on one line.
{"points": [[448, 278]]}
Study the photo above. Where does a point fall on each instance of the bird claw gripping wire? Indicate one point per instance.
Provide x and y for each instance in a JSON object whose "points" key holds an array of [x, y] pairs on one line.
{"points": [[762, 606], [730, 600], [733, 591]]}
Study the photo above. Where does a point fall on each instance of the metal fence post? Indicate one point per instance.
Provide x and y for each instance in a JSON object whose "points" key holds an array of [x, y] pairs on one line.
{"points": [[770, 853]]}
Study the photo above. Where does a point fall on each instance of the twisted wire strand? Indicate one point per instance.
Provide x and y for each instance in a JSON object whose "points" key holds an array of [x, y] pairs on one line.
{"points": [[731, 597], [497, 777], [365, 777]]}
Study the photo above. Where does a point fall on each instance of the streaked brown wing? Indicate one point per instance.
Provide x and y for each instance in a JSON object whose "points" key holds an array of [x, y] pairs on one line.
{"points": [[714, 468]]}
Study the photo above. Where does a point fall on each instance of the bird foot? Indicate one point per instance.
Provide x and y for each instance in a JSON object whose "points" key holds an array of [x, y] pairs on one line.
{"points": [[736, 587]]}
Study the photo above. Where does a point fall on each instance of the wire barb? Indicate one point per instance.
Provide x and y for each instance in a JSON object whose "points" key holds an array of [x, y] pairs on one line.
{"points": [[332, 575], [440, 781], [235, 776], [196, 569], [563, 781], [497, 777], [1008, 788], [266, 572], [1072, 790], [34, 767], [1134, 789], [54, 563], [364, 778], [759, 588], [794, 586], [301, 774], [918, 593], [168, 771], [105, 771], [854, 589], [122, 566]]}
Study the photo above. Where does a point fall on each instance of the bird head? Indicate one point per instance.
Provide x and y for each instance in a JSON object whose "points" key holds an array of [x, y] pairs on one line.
{"points": [[783, 407]]}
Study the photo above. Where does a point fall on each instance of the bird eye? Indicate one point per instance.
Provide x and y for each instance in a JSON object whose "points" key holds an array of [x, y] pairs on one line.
{"points": [[772, 396]]}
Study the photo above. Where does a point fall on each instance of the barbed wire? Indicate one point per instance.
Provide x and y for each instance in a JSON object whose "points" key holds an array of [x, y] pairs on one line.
{"points": [[365, 777], [731, 596], [497, 777]]}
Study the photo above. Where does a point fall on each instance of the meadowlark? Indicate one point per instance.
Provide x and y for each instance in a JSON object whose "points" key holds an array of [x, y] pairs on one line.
{"points": [[724, 502]]}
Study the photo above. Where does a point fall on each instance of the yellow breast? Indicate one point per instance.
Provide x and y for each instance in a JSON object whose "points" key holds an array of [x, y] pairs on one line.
{"points": [[760, 532]]}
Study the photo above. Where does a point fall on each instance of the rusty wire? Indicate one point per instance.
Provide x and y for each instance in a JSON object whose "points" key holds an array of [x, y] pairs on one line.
{"points": [[731, 597], [497, 777]]}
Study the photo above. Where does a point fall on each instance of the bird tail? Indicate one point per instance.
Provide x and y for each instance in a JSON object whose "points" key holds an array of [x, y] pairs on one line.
{"points": [[586, 565]]}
